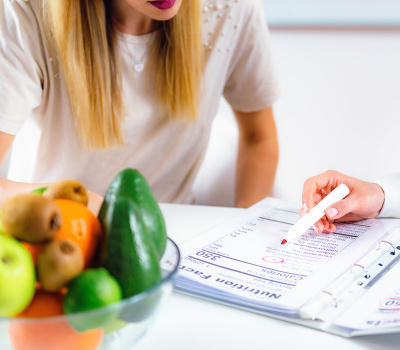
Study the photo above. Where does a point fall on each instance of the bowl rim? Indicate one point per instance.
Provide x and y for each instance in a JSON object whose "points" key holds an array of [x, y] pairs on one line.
{"points": [[109, 308]]}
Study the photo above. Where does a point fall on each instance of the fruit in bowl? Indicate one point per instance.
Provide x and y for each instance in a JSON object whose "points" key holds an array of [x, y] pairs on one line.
{"points": [[99, 280], [17, 276]]}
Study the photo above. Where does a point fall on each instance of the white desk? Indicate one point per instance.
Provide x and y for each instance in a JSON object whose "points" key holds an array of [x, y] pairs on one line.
{"points": [[188, 323]]}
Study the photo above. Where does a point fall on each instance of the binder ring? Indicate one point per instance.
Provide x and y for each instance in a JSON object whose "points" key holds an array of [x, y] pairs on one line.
{"points": [[391, 244], [365, 270], [332, 296]]}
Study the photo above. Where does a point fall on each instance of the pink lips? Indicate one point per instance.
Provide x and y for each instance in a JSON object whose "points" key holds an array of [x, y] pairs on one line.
{"points": [[163, 4]]}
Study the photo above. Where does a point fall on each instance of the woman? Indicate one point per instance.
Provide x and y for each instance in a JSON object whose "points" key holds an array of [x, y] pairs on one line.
{"points": [[90, 88], [366, 200]]}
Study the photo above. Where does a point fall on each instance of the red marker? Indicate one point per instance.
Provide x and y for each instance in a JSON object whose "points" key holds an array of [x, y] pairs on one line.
{"points": [[316, 213]]}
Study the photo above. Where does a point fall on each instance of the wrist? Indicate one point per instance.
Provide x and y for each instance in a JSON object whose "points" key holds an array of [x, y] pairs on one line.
{"points": [[380, 198]]}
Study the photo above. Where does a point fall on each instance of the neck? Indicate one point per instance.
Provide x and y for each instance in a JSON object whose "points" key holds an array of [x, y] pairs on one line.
{"points": [[130, 21]]}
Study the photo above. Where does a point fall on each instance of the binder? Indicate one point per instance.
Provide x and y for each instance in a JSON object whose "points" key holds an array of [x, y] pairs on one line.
{"points": [[351, 291]]}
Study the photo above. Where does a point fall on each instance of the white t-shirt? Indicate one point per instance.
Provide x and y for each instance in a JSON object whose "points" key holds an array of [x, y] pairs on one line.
{"points": [[391, 186], [35, 105]]}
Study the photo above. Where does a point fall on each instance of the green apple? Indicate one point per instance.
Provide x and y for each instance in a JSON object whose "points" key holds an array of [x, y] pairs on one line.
{"points": [[17, 276]]}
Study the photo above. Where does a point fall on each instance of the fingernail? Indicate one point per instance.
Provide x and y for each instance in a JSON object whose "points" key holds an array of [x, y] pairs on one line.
{"points": [[314, 228], [332, 212], [305, 207]]}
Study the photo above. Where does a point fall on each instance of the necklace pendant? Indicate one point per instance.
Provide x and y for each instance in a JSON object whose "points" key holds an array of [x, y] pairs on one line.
{"points": [[138, 67]]}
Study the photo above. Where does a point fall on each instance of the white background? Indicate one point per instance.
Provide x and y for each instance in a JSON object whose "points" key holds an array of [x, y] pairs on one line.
{"points": [[333, 12], [339, 109]]}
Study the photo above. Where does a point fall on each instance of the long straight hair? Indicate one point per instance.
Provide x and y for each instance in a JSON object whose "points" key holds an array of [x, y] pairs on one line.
{"points": [[85, 39]]}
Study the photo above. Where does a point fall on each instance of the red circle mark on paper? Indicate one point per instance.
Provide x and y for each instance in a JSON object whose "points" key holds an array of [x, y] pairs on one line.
{"points": [[273, 259]]}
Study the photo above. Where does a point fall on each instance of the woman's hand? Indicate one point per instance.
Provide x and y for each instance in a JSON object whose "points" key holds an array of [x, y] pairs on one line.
{"points": [[364, 201], [95, 202], [10, 188]]}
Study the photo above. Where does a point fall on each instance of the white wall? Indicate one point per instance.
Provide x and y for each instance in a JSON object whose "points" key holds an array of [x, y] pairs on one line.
{"points": [[340, 109], [382, 13]]}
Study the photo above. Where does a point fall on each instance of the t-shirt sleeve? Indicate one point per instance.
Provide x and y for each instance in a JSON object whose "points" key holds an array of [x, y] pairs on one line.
{"points": [[252, 82], [21, 76], [391, 186]]}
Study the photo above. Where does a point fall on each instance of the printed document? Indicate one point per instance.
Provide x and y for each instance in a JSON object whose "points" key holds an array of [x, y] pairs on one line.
{"points": [[378, 308], [243, 262]]}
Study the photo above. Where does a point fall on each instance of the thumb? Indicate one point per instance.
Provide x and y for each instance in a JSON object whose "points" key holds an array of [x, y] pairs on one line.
{"points": [[338, 210]]}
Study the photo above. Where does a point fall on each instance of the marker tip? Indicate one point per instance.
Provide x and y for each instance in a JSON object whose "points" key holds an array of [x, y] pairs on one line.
{"points": [[284, 241]]}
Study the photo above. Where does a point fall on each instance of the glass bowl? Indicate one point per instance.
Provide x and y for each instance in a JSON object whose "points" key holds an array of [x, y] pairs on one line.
{"points": [[118, 326]]}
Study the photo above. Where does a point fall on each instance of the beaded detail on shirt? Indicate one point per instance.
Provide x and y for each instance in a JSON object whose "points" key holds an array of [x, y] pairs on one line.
{"points": [[212, 13]]}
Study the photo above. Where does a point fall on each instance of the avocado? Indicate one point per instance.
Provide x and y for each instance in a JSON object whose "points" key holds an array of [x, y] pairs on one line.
{"points": [[132, 184], [129, 252]]}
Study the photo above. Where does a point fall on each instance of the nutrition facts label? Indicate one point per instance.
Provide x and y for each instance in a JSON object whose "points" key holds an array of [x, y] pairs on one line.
{"points": [[249, 261]]}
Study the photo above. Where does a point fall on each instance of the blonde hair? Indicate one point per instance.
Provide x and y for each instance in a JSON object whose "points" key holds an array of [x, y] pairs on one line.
{"points": [[85, 40]]}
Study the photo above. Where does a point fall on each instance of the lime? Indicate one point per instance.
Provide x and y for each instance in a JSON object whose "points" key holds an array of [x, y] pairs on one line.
{"points": [[92, 289]]}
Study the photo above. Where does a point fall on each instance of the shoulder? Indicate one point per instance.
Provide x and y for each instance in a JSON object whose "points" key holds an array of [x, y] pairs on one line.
{"points": [[234, 15], [20, 9], [229, 22], [19, 14], [19, 24], [244, 4], [231, 7]]}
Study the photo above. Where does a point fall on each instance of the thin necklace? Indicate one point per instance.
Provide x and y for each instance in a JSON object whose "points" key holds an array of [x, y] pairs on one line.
{"points": [[138, 65]]}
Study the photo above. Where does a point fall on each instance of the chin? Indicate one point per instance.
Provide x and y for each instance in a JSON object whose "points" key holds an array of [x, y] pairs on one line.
{"points": [[164, 17]]}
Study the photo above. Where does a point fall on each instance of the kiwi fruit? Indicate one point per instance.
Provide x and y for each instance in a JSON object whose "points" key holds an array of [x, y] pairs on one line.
{"points": [[59, 262], [67, 189], [30, 217]]}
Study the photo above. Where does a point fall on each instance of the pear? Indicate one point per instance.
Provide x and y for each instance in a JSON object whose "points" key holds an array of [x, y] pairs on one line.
{"points": [[67, 189], [59, 262], [30, 217]]}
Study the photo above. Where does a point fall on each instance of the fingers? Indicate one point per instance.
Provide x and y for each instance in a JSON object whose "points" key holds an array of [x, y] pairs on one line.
{"points": [[95, 202], [304, 210], [317, 187], [364, 201], [323, 225], [339, 209]]}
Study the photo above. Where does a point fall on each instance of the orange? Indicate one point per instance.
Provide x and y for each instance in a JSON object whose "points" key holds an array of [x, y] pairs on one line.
{"points": [[34, 249], [52, 334], [80, 225], [44, 304]]}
